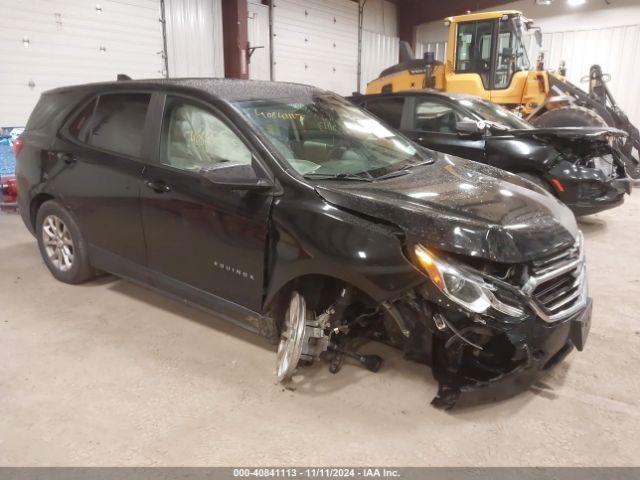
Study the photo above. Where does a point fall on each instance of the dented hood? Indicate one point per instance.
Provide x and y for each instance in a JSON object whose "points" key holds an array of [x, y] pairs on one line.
{"points": [[579, 139], [589, 134], [463, 207]]}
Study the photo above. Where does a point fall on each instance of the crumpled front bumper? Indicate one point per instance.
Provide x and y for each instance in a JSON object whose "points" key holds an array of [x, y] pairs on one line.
{"points": [[586, 190], [537, 347]]}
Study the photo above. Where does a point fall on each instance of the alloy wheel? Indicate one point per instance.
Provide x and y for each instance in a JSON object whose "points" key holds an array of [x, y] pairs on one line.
{"points": [[58, 243]]}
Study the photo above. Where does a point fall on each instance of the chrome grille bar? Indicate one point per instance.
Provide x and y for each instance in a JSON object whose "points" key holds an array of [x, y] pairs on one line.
{"points": [[567, 295]]}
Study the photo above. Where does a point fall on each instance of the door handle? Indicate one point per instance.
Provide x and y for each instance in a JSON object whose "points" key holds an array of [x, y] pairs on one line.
{"points": [[158, 187]]}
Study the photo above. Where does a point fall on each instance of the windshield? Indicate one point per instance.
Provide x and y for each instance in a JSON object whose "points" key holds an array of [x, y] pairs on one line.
{"points": [[326, 135], [511, 52], [491, 112]]}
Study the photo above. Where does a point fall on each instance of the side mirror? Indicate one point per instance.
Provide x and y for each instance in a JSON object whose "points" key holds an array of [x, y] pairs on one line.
{"points": [[235, 176], [470, 127]]}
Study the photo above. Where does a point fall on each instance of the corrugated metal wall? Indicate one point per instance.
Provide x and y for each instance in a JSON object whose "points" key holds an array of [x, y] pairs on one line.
{"points": [[194, 38], [440, 49], [615, 49], [378, 52], [316, 42], [47, 44], [380, 42]]}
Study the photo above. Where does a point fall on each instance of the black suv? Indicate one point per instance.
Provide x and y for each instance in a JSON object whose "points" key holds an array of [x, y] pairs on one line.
{"points": [[579, 165], [295, 214]]}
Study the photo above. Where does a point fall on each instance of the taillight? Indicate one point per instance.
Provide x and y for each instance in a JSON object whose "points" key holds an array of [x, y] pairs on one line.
{"points": [[18, 143], [9, 189]]}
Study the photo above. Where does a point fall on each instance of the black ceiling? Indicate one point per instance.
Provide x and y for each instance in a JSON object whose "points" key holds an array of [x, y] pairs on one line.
{"points": [[415, 12]]}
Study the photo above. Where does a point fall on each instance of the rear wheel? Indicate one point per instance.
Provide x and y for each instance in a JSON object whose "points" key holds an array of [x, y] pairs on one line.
{"points": [[571, 116], [62, 247]]}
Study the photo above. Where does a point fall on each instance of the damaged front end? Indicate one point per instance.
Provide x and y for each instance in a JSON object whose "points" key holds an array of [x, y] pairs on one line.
{"points": [[493, 323], [590, 174], [476, 323]]}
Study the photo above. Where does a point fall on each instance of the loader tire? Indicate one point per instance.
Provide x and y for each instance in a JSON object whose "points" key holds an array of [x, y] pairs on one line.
{"points": [[572, 116]]}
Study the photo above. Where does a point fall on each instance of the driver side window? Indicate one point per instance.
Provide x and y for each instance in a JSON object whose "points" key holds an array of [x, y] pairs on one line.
{"points": [[433, 116], [195, 139]]}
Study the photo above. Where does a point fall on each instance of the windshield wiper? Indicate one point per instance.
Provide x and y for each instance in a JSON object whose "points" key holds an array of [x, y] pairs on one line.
{"points": [[417, 164], [336, 176], [395, 173]]}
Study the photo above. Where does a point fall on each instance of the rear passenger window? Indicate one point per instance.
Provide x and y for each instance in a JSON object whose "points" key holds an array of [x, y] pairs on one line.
{"points": [[118, 123], [388, 109]]}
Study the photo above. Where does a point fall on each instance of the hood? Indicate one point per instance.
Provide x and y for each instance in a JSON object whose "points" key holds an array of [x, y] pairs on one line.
{"points": [[590, 134], [580, 140], [463, 207]]}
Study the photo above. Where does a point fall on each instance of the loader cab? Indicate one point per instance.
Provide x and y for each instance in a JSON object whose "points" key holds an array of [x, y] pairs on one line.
{"points": [[488, 55]]}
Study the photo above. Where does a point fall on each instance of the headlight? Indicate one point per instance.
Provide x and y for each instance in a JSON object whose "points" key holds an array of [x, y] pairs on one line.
{"points": [[460, 285]]}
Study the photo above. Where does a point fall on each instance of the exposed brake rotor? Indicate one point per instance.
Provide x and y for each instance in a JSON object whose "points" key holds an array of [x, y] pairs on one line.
{"points": [[303, 337], [290, 347]]}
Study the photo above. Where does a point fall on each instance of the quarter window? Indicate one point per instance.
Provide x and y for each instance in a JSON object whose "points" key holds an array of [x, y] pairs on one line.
{"points": [[432, 116], [195, 139], [388, 109], [81, 124], [118, 123]]}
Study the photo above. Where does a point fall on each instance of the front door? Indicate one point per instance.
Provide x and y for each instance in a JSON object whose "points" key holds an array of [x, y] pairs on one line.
{"points": [[433, 125], [197, 233]]}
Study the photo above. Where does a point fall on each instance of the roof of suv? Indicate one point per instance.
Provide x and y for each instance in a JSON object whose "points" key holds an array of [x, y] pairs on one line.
{"points": [[228, 89], [425, 91]]}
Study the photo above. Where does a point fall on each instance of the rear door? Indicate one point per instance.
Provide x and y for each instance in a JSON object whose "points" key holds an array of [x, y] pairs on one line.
{"points": [[95, 171], [199, 234], [432, 123], [388, 109]]}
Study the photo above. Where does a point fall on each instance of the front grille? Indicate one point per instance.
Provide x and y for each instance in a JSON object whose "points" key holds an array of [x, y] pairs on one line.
{"points": [[557, 284]]}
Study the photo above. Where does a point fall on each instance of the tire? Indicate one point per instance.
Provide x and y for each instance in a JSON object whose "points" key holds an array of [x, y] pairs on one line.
{"points": [[62, 247], [572, 116], [541, 182]]}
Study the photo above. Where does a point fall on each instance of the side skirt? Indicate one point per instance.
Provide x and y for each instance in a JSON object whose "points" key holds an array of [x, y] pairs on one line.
{"points": [[232, 312]]}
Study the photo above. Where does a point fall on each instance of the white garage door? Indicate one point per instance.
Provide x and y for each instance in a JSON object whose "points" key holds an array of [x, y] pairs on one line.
{"points": [[316, 42], [50, 43]]}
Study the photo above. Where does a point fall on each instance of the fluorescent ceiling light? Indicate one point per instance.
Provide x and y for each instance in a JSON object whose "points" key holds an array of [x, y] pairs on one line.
{"points": [[575, 3], [543, 2]]}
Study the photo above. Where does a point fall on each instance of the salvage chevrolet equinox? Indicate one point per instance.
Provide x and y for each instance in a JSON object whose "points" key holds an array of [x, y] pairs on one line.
{"points": [[299, 216]]}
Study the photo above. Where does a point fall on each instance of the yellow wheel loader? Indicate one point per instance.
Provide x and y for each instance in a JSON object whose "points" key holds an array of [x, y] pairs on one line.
{"points": [[487, 57]]}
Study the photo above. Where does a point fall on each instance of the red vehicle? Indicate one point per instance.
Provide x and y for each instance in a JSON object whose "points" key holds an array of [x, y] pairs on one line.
{"points": [[9, 192], [8, 189]]}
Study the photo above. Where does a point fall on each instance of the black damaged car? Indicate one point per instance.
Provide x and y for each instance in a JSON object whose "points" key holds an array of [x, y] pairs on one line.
{"points": [[579, 165], [293, 213]]}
